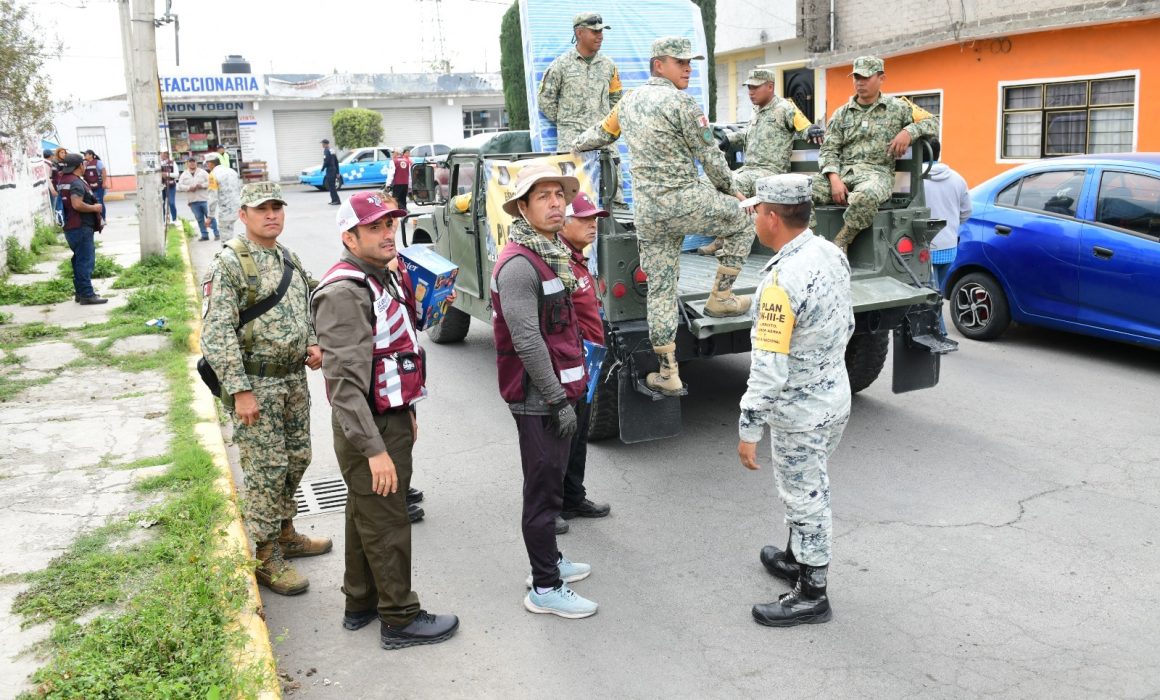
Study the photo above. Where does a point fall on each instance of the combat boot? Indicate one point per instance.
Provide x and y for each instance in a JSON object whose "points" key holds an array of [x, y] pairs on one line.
{"points": [[722, 301], [294, 544], [274, 573], [845, 237], [666, 379], [712, 248], [806, 604], [781, 563]]}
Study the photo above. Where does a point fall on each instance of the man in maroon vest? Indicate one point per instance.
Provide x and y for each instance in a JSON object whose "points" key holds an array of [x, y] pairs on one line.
{"points": [[541, 372], [82, 218], [373, 367], [578, 233]]}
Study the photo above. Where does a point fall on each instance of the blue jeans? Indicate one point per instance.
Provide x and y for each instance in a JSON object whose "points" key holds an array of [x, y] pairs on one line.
{"points": [[201, 212], [99, 193], [84, 257], [171, 202], [938, 278]]}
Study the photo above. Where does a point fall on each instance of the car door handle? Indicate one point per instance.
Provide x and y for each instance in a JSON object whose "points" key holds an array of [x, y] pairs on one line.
{"points": [[1103, 253], [1002, 230]]}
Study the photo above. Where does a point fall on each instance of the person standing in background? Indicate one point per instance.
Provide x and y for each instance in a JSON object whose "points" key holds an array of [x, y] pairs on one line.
{"points": [[95, 177], [169, 185], [948, 199], [402, 178], [330, 172]]}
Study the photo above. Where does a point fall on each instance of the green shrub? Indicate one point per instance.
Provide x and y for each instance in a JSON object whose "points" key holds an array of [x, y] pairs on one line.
{"points": [[53, 291], [20, 259], [45, 236], [104, 267], [355, 127]]}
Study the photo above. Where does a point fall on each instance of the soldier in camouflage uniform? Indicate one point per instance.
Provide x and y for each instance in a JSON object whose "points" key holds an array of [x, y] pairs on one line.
{"points": [[798, 386], [580, 86], [225, 190], [768, 139], [863, 139], [261, 367], [667, 133]]}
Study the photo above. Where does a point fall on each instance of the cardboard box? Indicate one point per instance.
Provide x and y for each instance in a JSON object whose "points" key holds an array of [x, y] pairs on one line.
{"points": [[593, 362], [433, 278]]}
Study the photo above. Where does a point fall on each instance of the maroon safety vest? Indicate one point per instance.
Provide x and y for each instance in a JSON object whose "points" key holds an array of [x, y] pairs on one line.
{"points": [[92, 176], [72, 217], [398, 372], [557, 324]]}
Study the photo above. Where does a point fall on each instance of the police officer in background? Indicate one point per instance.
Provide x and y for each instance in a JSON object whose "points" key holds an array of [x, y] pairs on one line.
{"points": [[798, 387], [667, 134], [330, 172], [374, 372], [864, 138], [768, 139], [261, 367], [541, 373]]}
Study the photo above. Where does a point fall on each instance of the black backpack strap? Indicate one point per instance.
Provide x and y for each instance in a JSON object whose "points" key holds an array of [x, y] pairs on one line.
{"points": [[249, 314]]}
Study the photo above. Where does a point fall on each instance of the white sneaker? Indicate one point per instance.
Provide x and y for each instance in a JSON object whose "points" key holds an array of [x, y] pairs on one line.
{"points": [[562, 601]]}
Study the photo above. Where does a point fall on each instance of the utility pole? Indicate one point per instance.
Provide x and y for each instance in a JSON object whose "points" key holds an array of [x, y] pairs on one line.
{"points": [[139, 48]]}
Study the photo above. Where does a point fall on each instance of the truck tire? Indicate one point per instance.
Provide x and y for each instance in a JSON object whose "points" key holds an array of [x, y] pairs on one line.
{"points": [[452, 329], [979, 308], [865, 357], [604, 421]]}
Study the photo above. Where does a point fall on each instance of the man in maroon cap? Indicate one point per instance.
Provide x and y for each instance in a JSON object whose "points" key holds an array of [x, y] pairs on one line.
{"points": [[578, 233], [374, 372]]}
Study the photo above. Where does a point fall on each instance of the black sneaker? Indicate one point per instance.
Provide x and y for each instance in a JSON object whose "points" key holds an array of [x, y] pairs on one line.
{"points": [[562, 525], [586, 509], [357, 620], [414, 512], [91, 301], [414, 496], [424, 629]]}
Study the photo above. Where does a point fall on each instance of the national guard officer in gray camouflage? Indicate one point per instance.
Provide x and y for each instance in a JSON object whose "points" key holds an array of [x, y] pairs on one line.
{"points": [[768, 139], [803, 318], [863, 139], [581, 85], [261, 368], [667, 133]]}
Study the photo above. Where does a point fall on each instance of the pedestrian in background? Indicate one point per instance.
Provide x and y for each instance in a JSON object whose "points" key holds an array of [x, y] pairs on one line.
{"points": [[949, 199], [798, 386], [169, 186], [82, 220], [402, 177], [225, 191], [95, 177], [540, 362], [223, 156], [330, 172], [57, 171], [374, 370], [195, 183], [262, 370], [578, 233]]}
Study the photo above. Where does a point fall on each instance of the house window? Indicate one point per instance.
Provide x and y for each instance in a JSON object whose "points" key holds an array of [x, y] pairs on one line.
{"points": [[486, 120], [930, 101], [1069, 117]]}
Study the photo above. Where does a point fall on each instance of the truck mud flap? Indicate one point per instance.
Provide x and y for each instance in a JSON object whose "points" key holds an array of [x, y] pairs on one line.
{"points": [[918, 351], [645, 416]]}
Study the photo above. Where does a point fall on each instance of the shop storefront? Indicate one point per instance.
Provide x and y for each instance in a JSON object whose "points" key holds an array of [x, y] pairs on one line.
{"points": [[199, 128], [204, 112]]}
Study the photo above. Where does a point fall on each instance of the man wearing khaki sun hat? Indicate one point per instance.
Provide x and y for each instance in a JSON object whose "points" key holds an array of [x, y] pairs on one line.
{"points": [[540, 363]]}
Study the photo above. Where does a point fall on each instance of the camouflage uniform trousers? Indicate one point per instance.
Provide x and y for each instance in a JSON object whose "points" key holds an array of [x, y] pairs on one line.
{"points": [[714, 214], [746, 178], [867, 191], [799, 462], [274, 452]]}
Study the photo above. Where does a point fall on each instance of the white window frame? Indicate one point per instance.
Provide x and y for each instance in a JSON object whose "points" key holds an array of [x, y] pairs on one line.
{"points": [[999, 159], [942, 102]]}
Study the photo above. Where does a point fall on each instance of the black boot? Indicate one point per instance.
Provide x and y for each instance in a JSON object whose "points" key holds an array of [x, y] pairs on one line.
{"points": [[781, 563], [806, 604], [424, 629]]}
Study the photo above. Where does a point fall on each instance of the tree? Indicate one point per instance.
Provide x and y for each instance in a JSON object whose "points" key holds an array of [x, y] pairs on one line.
{"points": [[511, 62], [25, 100], [511, 68], [356, 127]]}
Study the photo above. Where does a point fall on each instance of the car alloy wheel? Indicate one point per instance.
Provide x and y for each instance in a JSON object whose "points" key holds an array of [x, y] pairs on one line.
{"points": [[979, 307], [973, 306]]}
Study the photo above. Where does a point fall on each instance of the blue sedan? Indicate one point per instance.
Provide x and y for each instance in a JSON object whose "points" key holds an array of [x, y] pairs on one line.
{"points": [[362, 167], [1067, 243]]}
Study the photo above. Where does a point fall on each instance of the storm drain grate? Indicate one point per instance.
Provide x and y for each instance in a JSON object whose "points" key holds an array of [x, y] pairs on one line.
{"points": [[321, 496]]}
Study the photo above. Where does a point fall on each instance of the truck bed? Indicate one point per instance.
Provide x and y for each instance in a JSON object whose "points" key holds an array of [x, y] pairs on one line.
{"points": [[697, 275]]}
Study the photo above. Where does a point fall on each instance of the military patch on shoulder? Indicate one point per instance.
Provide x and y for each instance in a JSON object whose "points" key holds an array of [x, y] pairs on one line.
{"points": [[775, 321], [799, 120], [703, 122], [707, 134], [916, 113], [206, 289]]}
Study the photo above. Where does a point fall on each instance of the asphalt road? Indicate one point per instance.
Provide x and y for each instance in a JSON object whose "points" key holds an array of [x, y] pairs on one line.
{"points": [[995, 535]]}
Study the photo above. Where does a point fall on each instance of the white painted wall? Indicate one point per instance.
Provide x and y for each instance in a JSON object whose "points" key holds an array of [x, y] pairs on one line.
{"points": [[111, 114], [23, 195]]}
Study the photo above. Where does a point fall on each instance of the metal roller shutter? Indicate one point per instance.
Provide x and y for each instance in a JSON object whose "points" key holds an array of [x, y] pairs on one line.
{"points": [[406, 126], [298, 135]]}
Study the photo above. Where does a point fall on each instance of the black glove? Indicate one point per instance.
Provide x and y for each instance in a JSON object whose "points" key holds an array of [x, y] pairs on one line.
{"points": [[562, 419], [815, 134]]}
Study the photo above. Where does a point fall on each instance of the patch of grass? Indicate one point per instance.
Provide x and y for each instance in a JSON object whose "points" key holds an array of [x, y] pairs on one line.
{"points": [[5, 317], [21, 260], [45, 236], [154, 461], [37, 329], [11, 388], [168, 601], [51, 291], [103, 268], [155, 269]]}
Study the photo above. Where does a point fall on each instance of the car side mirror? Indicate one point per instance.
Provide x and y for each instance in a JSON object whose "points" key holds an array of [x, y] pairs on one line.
{"points": [[424, 186]]}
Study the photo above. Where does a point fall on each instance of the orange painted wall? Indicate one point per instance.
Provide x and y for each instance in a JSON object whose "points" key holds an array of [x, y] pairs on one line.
{"points": [[969, 76]]}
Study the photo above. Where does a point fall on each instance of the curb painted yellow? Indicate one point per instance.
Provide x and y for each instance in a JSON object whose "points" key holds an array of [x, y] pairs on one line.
{"points": [[251, 620], [118, 196]]}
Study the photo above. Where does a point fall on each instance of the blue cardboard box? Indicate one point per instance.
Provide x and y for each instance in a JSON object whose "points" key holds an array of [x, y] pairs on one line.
{"points": [[433, 279]]}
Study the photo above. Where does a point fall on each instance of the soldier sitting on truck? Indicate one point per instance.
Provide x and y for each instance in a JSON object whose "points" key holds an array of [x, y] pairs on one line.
{"points": [[667, 133], [863, 139]]}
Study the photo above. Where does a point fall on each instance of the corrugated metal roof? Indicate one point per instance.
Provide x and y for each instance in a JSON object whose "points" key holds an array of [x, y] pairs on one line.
{"points": [[381, 84]]}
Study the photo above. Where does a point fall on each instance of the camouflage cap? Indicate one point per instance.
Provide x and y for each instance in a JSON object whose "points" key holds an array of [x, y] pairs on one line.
{"points": [[589, 20], [759, 76], [255, 193], [674, 46], [867, 66], [789, 188]]}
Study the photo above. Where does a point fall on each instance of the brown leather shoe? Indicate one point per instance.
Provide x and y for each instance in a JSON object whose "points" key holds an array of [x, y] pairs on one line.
{"points": [[294, 544], [275, 573]]}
